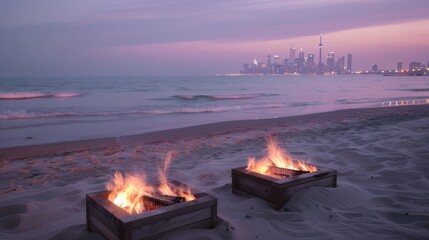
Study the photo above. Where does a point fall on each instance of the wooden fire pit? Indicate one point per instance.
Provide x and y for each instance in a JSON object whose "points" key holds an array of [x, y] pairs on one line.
{"points": [[278, 191], [113, 222]]}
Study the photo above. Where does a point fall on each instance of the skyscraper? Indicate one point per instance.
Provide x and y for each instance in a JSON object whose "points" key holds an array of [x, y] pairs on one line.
{"points": [[310, 65], [269, 65], [349, 63], [292, 53], [320, 65], [399, 66], [340, 65], [330, 62]]}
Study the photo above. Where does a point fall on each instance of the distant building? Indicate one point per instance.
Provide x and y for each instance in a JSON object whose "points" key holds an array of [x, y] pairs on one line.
{"points": [[349, 63], [399, 66], [330, 62], [340, 67], [277, 65], [292, 53], [310, 64], [300, 62], [269, 69], [374, 68], [415, 66]]}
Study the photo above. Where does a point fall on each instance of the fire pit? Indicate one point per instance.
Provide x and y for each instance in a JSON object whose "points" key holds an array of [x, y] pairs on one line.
{"points": [[276, 177], [113, 222], [133, 209]]}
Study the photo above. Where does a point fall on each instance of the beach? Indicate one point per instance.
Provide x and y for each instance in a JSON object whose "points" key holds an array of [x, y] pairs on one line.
{"points": [[380, 154]]}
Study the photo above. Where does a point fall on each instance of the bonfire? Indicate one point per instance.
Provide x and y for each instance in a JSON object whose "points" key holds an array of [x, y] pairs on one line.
{"points": [[278, 163], [133, 194]]}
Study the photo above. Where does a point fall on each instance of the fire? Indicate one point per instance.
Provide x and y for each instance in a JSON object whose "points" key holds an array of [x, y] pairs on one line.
{"points": [[276, 157], [165, 187], [128, 192]]}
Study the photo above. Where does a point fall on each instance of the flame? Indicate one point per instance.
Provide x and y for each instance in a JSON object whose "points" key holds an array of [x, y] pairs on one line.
{"points": [[165, 187], [127, 192], [276, 157]]}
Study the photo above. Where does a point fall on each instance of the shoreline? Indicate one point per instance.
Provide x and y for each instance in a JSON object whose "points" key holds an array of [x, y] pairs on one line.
{"points": [[39, 150]]}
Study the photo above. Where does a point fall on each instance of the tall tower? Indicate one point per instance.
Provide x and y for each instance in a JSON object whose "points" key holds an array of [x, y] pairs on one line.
{"points": [[320, 65], [320, 50]]}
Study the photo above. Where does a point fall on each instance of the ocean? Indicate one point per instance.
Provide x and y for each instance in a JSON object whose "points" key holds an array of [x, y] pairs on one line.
{"points": [[43, 110]]}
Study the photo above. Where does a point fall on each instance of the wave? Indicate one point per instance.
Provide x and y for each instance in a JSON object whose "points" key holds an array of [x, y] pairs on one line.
{"points": [[29, 95], [303, 104], [10, 115], [415, 90], [212, 97], [216, 109]]}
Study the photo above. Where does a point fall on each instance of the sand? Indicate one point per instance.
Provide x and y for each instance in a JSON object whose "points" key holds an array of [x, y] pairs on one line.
{"points": [[381, 155]]}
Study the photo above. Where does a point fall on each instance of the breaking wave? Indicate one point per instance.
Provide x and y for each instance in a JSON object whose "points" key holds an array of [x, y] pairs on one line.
{"points": [[29, 95], [10, 115]]}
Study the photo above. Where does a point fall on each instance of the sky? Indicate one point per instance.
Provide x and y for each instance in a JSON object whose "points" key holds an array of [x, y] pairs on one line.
{"points": [[193, 37]]}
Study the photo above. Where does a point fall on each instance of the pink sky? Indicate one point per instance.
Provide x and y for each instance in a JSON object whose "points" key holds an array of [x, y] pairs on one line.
{"points": [[202, 37]]}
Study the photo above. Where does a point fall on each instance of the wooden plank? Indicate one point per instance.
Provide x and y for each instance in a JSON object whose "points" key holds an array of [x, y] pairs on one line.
{"points": [[136, 220], [250, 186], [103, 225], [308, 177], [276, 191], [201, 224], [170, 224], [323, 182], [101, 202]]}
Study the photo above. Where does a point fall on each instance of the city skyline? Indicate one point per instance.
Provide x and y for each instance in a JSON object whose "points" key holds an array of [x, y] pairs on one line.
{"points": [[53, 38], [291, 63], [301, 64]]}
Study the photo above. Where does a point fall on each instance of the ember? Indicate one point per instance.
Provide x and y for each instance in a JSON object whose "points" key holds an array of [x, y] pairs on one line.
{"points": [[278, 163]]}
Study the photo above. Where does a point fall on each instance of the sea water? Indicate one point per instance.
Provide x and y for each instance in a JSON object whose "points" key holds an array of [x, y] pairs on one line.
{"points": [[53, 109]]}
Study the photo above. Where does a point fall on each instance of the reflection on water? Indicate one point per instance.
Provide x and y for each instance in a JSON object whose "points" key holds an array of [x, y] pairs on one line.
{"points": [[406, 102]]}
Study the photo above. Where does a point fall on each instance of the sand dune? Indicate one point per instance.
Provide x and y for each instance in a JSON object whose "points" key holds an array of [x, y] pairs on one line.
{"points": [[381, 156]]}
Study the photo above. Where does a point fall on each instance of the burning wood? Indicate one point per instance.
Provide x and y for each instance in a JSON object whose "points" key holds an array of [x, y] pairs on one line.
{"points": [[278, 162], [284, 172], [157, 201], [132, 194]]}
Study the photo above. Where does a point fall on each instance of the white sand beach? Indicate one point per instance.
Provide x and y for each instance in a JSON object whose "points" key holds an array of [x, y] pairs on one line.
{"points": [[381, 155]]}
